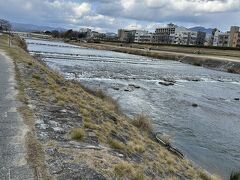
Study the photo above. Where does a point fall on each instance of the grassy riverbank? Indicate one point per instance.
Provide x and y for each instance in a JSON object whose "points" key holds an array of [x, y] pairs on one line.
{"points": [[77, 133], [223, 60]]}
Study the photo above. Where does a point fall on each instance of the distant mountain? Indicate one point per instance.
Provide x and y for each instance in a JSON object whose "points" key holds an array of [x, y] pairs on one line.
{"points": [[30, 27], [202, 29]]}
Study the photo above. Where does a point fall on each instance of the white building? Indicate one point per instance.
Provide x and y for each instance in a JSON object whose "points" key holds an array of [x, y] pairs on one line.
{"points": [[221, 39], [167, 35], [142, 36], [186, 37]]}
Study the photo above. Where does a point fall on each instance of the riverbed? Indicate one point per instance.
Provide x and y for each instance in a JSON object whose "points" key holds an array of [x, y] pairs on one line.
{"points": [[198, 107]]}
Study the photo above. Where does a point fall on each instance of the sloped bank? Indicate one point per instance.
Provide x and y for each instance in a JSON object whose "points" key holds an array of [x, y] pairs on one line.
{"points": [[212, 62], [82, 135]]}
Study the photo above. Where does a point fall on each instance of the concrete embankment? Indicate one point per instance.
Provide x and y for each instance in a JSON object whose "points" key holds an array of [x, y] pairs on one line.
{"points": [[222, 63]]}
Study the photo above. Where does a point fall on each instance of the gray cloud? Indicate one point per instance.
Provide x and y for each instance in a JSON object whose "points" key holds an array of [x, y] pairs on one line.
{"points": [[108, 15]]}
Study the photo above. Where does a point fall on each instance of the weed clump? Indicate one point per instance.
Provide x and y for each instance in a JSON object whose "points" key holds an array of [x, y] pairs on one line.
{"points": [[235, 176], [77, 134], [116, 144], [124, 170], [135, 147], [143, 122], [36, 76]]}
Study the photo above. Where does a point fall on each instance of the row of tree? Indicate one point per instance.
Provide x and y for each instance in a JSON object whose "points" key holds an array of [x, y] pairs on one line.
{"points": [[69, 34]]}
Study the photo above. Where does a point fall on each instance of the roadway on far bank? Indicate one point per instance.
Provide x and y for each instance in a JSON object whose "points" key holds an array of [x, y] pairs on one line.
{"points": [[171, 51]]}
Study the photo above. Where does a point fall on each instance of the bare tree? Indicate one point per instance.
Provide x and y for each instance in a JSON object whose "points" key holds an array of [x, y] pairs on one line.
{"points": [[5, 25]]}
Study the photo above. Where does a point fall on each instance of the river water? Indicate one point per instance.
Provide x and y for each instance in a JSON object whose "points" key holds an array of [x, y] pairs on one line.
{"points": [[208, 134]]}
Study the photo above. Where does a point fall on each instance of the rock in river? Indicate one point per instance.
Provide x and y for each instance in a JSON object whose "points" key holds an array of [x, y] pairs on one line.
{"points": [[166, 83]]}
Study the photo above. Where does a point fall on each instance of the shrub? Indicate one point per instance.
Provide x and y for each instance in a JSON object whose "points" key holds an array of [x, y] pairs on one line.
{"points": [[77, 133], [22, 43], [35, 76], [116, 144], [235, 176], [142, 122], [135, 147], [197, 64], [231, 70], [90, 125], [125, 170]]}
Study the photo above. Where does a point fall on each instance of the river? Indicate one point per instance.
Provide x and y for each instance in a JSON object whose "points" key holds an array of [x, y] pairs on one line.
{"points": [[208, 134]]}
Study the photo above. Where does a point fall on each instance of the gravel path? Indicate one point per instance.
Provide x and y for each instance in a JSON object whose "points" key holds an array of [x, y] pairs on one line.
{"points": [[13, 164]]}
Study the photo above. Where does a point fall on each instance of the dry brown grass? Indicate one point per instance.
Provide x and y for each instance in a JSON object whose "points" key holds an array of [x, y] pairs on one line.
{"points": [[77, 133], [116, 144], [142, 122], [136, 147], [90, 125], [125, 170]]}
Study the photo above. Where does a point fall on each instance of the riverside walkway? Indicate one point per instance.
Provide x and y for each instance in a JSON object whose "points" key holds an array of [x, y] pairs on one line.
{"points": [[13, 153]]}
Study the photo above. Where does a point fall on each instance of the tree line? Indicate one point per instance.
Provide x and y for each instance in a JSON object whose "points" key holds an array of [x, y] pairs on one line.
{"points": [[69, 34]]}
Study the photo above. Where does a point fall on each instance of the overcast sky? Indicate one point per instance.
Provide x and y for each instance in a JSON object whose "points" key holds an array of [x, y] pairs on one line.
{"points": [[109, 15]]}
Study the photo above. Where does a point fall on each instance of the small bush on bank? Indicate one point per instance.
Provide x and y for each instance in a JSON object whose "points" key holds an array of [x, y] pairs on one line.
{"points": [[124, 170], [235, 176], [116, 144], [142, 122], [197, 64], [135, 147], [77, 134], [35, 76], [22, 43], [90, 125], [231, 70]]}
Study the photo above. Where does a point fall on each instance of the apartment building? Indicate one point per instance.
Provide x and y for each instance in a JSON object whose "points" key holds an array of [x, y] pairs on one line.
{"points": [[171, 34], [85, 32], [221, 39], [201, 38], [142, 36], [165, 35], [234, 36], [125, 35], [185, 38]]}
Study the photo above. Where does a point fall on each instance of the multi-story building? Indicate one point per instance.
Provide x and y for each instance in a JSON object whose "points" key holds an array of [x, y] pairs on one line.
{"points": [[236, 40], [126, 35], [123, 34], [142, 36], [190, 38], [201, 38], [85, 32], [167, 35], [185, 38], [221, 39], [234, 36]]}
